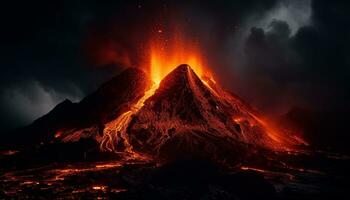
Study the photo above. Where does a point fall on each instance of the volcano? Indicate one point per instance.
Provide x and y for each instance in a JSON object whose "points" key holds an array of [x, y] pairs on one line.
{"points": [[178, 138], [188, 116], [184, 116]]}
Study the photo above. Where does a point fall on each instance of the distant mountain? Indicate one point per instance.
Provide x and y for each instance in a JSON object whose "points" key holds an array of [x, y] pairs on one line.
{"points": [[110, 100]]}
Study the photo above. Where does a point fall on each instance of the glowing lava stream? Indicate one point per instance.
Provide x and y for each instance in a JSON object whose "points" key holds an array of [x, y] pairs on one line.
{"points": [[116, 129]]}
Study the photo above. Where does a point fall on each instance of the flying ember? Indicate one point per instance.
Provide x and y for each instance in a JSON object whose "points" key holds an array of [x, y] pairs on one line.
{"points": [[166, 53]]}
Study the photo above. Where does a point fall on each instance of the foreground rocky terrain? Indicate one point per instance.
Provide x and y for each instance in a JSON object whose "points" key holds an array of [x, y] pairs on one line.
{"points": [[306, 175]]}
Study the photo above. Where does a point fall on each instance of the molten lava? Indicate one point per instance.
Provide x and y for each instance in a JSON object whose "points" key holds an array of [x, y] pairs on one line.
{"points": [[115, 131], [168, 53]]}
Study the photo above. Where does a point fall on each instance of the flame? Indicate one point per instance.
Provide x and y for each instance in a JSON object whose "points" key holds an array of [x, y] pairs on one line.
{"points": [[166, 53]]}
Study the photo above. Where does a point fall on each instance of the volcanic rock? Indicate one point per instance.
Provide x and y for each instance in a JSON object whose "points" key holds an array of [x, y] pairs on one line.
{"points": [[187, 118]]}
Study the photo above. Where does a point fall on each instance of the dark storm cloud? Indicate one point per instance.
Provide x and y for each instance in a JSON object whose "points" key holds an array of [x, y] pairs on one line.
{"points": [[40, 56], [274, 53], [312, 64], [29, 99]]}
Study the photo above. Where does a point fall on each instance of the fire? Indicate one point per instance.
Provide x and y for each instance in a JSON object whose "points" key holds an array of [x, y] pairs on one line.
{"points": [[166, 53]]}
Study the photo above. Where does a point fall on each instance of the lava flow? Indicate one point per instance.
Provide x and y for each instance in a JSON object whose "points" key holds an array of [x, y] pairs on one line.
{"points": [[115, 131], [182, 113]]}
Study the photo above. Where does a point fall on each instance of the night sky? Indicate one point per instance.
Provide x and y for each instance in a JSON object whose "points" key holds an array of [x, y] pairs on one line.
{"points": [[275, 54]]}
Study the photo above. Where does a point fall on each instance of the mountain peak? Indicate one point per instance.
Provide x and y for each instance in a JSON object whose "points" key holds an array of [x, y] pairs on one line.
{"points": [[179, 84], [182, 68], [180, 73]]}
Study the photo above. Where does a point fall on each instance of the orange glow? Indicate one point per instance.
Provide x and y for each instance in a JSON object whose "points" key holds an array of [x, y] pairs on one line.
{"points": [[168, 53], [97, 187], [274, 133], [8, 152], [111, 132], [253, 169], [58, 134]]}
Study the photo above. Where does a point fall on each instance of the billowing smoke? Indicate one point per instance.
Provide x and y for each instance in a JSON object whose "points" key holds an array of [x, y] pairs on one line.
{"points": [[291, 55]]}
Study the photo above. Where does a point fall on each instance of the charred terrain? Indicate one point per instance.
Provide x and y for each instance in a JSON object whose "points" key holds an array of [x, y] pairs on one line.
{"points": [[184, 138]]}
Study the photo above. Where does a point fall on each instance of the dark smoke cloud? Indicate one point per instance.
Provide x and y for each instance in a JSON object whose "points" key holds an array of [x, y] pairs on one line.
{"points": [[275, 54], [309, 65]]}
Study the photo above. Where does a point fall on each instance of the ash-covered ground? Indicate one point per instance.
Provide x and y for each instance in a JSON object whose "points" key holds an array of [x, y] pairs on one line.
{"points": [[293, 175]]}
